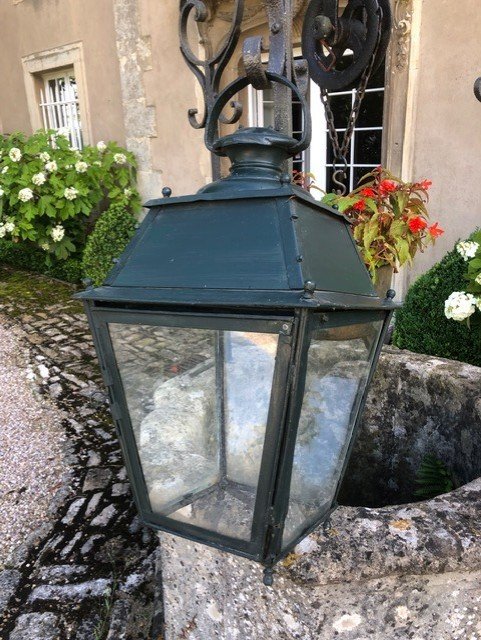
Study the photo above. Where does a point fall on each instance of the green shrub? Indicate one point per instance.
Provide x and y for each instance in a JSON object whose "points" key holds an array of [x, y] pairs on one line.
{"points": [[25, 255], [107, 241], [421, 325], [69, 270], [51, 193]]}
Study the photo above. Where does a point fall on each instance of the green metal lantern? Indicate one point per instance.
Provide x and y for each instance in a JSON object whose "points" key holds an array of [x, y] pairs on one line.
{"points": [[237, 336]]}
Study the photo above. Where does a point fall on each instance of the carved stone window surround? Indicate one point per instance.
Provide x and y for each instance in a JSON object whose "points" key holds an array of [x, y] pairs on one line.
{"points": [[37, 64]]}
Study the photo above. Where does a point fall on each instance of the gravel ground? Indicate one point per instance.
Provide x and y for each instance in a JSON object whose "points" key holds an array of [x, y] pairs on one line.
{"points": [[31, 446]]}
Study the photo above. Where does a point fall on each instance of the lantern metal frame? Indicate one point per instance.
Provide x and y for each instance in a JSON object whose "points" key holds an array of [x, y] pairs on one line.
{"points": [[273, 488]]}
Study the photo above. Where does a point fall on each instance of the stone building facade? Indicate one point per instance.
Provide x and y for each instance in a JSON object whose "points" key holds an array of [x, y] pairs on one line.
{"points": [[130, 84]]}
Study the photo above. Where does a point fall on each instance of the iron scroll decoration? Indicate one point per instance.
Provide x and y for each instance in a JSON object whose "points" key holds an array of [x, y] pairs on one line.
{"points": [[363, 29], [241, 83], [326, 37], [209, 71]]}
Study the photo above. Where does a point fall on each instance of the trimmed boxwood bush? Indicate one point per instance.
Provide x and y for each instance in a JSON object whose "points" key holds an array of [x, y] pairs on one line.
{"points": [[107, 241], [421, 325], [25, 255]]}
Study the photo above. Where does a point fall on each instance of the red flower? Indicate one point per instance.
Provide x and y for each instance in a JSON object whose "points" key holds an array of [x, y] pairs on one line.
{"points": [[360, 205], [387, 186], [417, 224], [435, 231], [425, 184], [367, 192]]}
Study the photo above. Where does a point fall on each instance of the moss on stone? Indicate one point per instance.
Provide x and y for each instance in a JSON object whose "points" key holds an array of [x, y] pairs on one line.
{"points": [[22, 292]]}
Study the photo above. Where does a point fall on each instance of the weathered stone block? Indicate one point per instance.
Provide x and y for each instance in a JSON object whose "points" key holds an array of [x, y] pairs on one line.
{"points": [[9, 581], [104, 517], [70, 592], [97, 479], [36, 626]]}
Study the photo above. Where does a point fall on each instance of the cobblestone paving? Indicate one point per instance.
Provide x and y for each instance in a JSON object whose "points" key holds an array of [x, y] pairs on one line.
{"points": [[88, 574]]}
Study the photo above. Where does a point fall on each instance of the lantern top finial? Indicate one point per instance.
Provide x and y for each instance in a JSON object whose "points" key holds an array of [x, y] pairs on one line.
{"points": [[257, 155]]}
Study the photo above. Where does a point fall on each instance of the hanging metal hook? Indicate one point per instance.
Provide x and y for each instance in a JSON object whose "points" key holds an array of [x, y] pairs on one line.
{"points": [[339, 176]]}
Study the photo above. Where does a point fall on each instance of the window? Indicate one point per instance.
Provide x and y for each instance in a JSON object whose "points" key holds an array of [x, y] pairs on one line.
{"points": [[57, 94], [59, 105], [366, 144]]}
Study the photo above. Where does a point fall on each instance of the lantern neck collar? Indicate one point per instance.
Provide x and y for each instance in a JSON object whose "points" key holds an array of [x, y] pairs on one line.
{"points": [[258, 157]]}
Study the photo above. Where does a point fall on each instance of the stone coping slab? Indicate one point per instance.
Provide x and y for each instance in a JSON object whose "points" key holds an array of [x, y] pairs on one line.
{"points": [[435, 536]]}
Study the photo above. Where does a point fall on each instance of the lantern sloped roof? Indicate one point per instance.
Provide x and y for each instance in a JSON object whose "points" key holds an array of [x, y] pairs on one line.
{"points": [[240, 247]]}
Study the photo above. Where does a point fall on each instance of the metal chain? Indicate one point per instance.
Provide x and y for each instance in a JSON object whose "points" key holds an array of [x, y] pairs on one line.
{"points": [[340, 149]]}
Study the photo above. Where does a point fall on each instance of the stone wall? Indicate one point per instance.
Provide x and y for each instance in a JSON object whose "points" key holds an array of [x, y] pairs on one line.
{"points": [[418, 405], [391, 572]]}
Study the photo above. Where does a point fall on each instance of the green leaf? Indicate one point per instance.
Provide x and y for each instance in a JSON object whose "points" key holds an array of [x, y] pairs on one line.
{"points": [[371, 231], [345, 203], [402, 250], [397, 228], [371, 204], [330, 199]]}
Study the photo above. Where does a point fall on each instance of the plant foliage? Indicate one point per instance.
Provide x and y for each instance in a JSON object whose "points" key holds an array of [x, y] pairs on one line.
{"points": [[433, 478], [48, 190], [389, 218], [465, 306], [25, 255], [107, 241], [421, 324]]}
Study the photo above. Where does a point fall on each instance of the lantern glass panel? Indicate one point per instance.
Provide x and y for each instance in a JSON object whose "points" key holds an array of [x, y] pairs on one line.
{"points": [[198, 401], [338, 365]]}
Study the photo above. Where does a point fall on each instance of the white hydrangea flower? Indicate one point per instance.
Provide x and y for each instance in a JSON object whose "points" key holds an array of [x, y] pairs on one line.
{"points": [[3, 231], [467, 249], [39, 179], [81, 167], [63, 131], [5, 169], [25, 194], [477, 279], [459, 306], [51, 166], [101, 146], [120, 158], [44, 156], [9, 226], [2, 192], [15, 154], [57, 233], [45, 246], [128, 193], [478, 303], [70, 193]]}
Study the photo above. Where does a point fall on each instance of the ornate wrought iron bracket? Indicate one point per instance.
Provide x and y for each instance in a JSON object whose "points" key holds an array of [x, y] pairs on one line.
{"points": [[363, 29], [328, 36], [209, 71]]}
